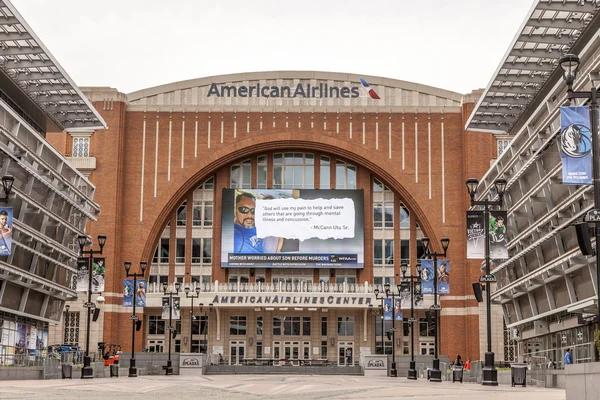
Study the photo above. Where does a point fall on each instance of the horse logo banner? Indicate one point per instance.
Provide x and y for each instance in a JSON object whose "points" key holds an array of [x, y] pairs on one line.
{"points": [[576, 145]]}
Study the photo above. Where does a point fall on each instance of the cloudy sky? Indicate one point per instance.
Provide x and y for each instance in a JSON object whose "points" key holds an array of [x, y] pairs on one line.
{"points": [[135, 44]]}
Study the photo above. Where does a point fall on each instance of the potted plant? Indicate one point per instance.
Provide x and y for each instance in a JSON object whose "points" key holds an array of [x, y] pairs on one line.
{"points": [[597, 341]]}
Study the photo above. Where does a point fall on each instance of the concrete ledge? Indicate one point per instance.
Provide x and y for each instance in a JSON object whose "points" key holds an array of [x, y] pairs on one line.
{"points": [[583, 381]]}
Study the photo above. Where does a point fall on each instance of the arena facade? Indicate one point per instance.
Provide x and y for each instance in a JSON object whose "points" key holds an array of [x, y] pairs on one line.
{"points": [[162, 170]]}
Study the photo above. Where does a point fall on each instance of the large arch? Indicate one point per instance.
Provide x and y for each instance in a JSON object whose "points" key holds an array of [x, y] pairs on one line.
{"points": [[246, 147]]}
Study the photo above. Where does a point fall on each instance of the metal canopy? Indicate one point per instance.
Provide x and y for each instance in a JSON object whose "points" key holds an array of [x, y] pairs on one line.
{"points": [[548, 32], [29, 63]]}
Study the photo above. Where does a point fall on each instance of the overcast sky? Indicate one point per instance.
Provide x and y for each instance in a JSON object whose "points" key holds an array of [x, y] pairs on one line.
{"points": [[136, 44]]}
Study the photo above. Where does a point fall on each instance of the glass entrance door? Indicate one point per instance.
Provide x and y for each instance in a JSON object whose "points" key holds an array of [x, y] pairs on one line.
{"points": [[237, 352], [276, 353], [291, 352], [345, 354]]}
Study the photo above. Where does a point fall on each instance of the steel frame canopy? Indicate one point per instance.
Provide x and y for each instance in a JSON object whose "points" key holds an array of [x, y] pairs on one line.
{"points": [[549, 31], [27, 61]]}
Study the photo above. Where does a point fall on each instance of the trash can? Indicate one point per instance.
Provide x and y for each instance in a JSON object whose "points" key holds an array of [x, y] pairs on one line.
{"points": [[429, 372], [114, 370], [518, 374], [457, 374], [67, 371]]}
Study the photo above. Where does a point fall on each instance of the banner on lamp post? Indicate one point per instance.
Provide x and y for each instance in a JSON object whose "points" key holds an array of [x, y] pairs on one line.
{"points": [[82, 274], [498, 239], [443, 277], [140, 293], [475, 234], [6, 230], [576, 145]]}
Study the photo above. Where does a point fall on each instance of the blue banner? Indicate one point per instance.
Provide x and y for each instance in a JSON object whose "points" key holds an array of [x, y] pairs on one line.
{"points": [[387, 309], [6, 215], [140, 293], [443, 276], [398, 310], [576, 145]]}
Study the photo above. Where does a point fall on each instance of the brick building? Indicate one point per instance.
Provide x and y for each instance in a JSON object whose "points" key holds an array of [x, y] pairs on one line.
{"points": [[169, 151]]}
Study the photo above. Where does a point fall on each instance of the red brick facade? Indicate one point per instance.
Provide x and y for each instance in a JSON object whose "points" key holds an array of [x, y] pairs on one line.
{"points": [[133, 217]]}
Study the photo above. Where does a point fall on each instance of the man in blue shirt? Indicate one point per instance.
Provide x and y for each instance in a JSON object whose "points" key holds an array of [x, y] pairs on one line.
{"points": [[244, 235], [568, 357]]}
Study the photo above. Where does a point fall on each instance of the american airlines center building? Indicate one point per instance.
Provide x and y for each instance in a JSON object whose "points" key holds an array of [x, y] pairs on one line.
{"points": [[286, 199]]}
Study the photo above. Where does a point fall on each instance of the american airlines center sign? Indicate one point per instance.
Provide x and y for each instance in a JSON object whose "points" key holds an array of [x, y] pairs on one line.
{"points": [[301, 90]]}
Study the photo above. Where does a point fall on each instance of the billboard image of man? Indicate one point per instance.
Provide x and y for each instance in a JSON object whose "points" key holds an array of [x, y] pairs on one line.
{"points": [[5, 233], [244, 236]]}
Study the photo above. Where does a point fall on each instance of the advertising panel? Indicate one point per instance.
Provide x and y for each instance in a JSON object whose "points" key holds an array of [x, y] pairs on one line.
{"points": [[576, 145], [6, 214], [475, 234], [292, 228], [98, 269], [498, 242], [140, 293], [443, 276], [175, 308]]}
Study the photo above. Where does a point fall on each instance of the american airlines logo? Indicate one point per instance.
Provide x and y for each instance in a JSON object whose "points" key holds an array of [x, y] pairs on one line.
{"points": [[301, 90]]}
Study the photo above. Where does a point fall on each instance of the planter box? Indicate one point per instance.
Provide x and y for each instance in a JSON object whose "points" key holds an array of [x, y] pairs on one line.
{"points": [[583, 381]]}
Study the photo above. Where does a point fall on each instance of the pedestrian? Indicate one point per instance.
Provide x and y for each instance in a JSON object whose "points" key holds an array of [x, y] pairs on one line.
{"points": [[458, 361], [550, 364], [468, 365], [568, 357]]}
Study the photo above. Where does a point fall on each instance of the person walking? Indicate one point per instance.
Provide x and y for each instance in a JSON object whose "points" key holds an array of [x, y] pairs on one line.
{"points": [[568, 358]]}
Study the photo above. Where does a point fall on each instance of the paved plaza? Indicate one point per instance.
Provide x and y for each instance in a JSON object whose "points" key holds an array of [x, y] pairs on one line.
{"points": [[233, 387]]}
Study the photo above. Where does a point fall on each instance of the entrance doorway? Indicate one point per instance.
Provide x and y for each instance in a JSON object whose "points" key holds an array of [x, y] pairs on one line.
{"points": [[237, 351], [345, 354]]}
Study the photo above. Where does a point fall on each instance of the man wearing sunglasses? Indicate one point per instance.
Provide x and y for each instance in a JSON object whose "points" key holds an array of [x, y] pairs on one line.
{"points": [[244, 235]]}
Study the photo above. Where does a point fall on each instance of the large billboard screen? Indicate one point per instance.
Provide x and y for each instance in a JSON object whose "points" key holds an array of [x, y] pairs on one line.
{"points": [[305, 228]]}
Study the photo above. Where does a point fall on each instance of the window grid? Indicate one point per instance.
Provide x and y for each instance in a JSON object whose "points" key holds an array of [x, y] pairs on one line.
{"points": [[81, 147], [293, 171], [240, 175]]}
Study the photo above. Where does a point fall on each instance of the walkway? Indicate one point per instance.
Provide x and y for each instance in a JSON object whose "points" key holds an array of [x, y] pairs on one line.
{"points": [[264, 387]]}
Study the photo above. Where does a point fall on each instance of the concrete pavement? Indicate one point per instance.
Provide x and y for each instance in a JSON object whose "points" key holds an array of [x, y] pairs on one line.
{"points": [[234, 387]]}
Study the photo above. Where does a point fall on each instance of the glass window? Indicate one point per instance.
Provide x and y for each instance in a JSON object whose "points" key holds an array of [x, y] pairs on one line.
{"points": [[293, 171], [180, 256], [240, 175], [259, 349], [155, 257], [378, 186], [425, 328], [202, 213], [345, 326], [502, 145], [156, 326], [404, 251], [276, 326], [182, 214], [306, 326], [259, 326], [404, 217], [206, 251], [383, 252], [325, 169], [383, 215], [291, 326], [323, 348], [345, 175], [196, 246], [323, 326], [237, 325], [164, 250], [261, 172]]}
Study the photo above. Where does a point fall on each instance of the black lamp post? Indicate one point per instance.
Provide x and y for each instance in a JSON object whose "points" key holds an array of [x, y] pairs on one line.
{"points": [[87, 372], [490, 374], [411, 281], [205, 313], [376, 291], [171, 329], [391, 293], [435, 374], [191, 296], [375, 313], [570, 63], [7, 184], [134, 317]]}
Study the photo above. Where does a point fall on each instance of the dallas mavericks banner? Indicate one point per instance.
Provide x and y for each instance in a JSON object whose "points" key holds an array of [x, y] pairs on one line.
{"points": [[498, 249], [475, 234], [443, 276], [129, 291], [576, 145], [387, 309]]}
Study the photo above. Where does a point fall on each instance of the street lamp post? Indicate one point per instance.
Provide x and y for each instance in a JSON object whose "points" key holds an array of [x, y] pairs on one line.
{"points": [[570, 63], [375, 313], [191, 296], [169, 368], [490, 374], [376, 291], [205, 313], [435, 374], [134, 317], [411, 281], [87, 372], [391, 293]]}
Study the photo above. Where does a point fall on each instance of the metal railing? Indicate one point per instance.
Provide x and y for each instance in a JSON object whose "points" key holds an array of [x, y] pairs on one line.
{"points": [[279, 287]]}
